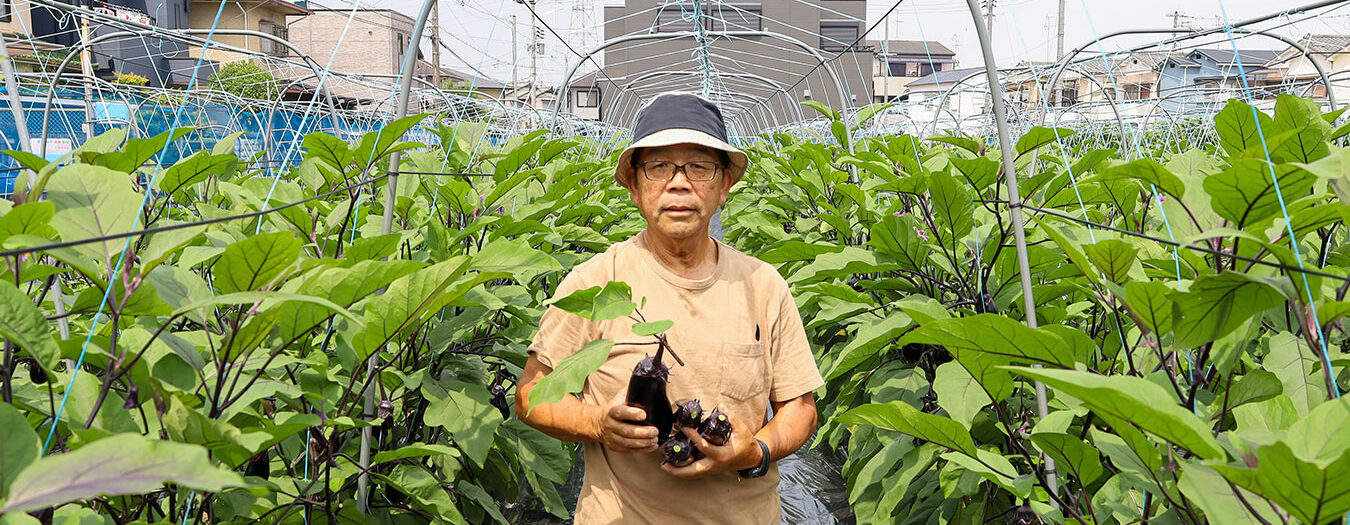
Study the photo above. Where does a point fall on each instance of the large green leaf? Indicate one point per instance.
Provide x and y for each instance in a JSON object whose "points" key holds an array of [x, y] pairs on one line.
{"points": [[517, 257], [411, 300], [982, 343], [952, 208], [851, 260], [195, 169], [901, 417], [1298, 370], [1219, 501], [1040, 136], [376, 144], [254, 263], [1113, 257], [136, 152], [873, 335], [1245, 193], [426, 492], [466, 411], [1238, 126], [19, 445], [1314, 492], [1216, 305], [612, 301], [1135, 400], [1071, 455], [24, 324], [1324, 434], [1148, 171], [120, 464], [571, 373], [958, 393], [1150, 303], [93, 202]]}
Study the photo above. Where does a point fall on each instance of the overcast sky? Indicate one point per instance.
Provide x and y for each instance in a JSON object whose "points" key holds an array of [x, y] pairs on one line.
{"points": [[479, 31]]}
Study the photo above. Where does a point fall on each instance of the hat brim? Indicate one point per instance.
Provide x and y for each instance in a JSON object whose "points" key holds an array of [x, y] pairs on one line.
{"points": [[623, 173]]}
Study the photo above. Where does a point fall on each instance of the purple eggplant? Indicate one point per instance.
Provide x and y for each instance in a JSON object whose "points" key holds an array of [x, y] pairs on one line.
{"points": [[647, 390], [680, 452], [688, 414], [716, 429]]}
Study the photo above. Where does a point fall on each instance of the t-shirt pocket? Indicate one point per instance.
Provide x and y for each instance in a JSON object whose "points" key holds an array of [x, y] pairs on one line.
{"points": [[742, 370]]}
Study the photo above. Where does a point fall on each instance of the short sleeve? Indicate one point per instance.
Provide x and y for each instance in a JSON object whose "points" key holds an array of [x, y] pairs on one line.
{"points": [[562, 333], [794, 368]]}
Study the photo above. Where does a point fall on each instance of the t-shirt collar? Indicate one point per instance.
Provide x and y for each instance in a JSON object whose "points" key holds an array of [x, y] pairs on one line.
{"points": [[689, 284]]}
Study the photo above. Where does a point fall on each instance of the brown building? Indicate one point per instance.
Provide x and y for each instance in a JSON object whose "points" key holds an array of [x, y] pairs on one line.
{"points": [[760, 60], [265, 16]]}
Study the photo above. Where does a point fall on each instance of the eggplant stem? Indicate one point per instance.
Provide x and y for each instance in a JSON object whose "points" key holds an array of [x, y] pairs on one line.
{"points": [[665, 345]]}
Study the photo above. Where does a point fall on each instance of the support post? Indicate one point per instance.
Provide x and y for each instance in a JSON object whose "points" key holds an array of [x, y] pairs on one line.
{"points": [[391, 189], [1005, 145]]}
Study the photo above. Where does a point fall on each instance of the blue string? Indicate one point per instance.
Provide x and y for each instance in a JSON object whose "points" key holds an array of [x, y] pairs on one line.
{"points": [[187, 511], [1279, 195], [159, 162]]}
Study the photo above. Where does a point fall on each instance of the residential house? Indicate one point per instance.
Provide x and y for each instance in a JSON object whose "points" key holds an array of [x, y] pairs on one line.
{"points": [[1291, 70], [152, 59], [28, 54], [941, 96], [1207, 76], [759, 79], [899, 62], [583, 96]]}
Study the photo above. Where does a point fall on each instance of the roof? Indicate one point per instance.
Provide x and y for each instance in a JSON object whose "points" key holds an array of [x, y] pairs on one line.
{"points": [[587, 80], [1249, 57], [911, 47], [944, 77]]}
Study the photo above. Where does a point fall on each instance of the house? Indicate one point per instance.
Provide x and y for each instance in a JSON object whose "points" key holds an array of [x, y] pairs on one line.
{"points": [[1291, 70], [583, 96], [899, 62], [1207, 76], [28, 54], [110, 57], [759, 78], [924, 94], [264, 16]]}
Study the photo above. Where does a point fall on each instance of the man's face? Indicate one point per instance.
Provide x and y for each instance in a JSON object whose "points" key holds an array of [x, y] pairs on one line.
{"points": [[679, 208]]}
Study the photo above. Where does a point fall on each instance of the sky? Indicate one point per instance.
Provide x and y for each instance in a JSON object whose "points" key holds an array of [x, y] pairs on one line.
{"points": [[479, 31]]}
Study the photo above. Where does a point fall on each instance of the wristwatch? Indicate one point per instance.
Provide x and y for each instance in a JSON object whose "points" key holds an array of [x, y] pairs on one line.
{"points": [[762, 468]]}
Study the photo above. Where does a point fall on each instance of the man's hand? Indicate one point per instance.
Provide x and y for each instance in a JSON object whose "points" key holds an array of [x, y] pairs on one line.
{"points": [[740, 452], [616, 430]]}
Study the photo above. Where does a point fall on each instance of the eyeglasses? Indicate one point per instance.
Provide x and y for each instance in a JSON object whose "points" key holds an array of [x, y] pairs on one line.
{"points": [[663, 170]]}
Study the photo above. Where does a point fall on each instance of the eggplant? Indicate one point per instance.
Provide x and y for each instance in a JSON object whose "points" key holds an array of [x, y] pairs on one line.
{"points": [[259, 466], [647, 390], [499, 400], [688, 414], [716, 429], [679, 451]]}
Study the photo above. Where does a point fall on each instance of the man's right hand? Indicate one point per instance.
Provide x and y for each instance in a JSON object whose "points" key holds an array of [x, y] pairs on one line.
{"points": [[616, 428]]}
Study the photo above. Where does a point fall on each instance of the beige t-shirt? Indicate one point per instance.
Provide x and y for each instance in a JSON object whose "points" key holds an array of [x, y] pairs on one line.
{"points": [[743, 345]]}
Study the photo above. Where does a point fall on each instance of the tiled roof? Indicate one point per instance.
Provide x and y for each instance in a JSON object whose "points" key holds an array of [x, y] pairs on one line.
{"points": [[910, 47]]}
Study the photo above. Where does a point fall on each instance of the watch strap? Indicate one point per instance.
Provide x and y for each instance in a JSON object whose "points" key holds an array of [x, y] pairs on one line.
{"points": [[763, 467]]}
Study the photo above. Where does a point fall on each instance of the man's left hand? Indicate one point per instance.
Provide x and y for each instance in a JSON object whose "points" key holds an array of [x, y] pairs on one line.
{"points": [[738, 453]]}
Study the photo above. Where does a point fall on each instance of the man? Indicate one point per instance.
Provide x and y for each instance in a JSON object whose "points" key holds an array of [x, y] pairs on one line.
{"points": [[736, 327]]}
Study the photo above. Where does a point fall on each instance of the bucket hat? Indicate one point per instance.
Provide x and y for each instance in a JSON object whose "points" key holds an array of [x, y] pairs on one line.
{"points": [[679, 118]]}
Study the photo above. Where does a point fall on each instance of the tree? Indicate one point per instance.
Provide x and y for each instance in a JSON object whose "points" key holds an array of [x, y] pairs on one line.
{"points": [[245, 79]]}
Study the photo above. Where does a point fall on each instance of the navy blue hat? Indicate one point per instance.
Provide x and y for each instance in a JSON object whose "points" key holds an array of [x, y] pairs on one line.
{"points": [[680, 118]]}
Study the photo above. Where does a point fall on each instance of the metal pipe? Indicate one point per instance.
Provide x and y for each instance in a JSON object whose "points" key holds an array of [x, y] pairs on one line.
{"points": [[1015, 210]]}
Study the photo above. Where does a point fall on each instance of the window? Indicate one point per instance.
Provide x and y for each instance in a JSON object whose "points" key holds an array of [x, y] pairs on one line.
{"points": [[735, 17], [272, 47], [923, 70], [6, 9], [588, 98], [898, 69], [837, 35], [1068, 96], [671, 19]]}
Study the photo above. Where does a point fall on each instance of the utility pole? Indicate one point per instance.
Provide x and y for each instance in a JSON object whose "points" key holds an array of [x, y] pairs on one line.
{"points": [[1176, 17], [436, 44], [989, 16], [535, 50], [515, 82], [1059, 37], [886, 62]]}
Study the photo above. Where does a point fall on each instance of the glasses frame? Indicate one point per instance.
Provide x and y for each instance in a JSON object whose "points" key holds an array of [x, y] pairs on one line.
{"points": [[717, 167]]}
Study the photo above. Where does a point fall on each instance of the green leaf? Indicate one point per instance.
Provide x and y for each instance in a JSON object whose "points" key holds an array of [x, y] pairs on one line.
{"points": [[93, 202], [829, 112], [1245, 193], [952, 208], [481, 497], [1149, 300], [652, 328], [466, 411], [426, 492], [1071, 455], [571, 373], [253, 263], [851, 260], [1313, 493], [1298, 370], [415, 450], [789, 251], [267, 297], [1040, 136], [517, 257], [195, 169], [19, 445], [113, 466], [329, 149], [1217, 499], [873, 336], [1148, 171], [1216, 305], [1113, 257], [980, 172], [1134, 400], [598, 304], [376, 144], [136, 152], [1237, 126], [1324, 434], [28, 160], [958, 393], [412, 300], [964, 143], [1257, 385], [901, 417], [26, 325], [983, 343]]}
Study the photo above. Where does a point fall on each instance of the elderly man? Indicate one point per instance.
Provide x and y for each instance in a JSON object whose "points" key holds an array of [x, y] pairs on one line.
{"points": [[735, 326]]}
